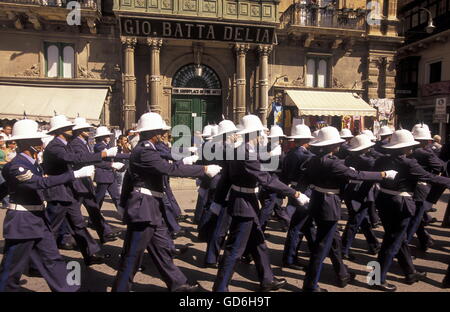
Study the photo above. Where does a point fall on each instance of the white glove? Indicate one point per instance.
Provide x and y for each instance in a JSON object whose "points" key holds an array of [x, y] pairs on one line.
{"points": [[117, 165], [84, 172], [111, 152], [212, 170], [190, 160], [352, 168], [303, 199], [276, 151], [193, 149], [390, 174]]}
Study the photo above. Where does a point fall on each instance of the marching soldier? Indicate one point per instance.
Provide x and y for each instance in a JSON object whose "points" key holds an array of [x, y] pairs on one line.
{"points": [[26, 229], [325, 205], [385, 134], [292, 173], [347, 135], [142, 199], [396, 205], [58, 159], [241, 178]]}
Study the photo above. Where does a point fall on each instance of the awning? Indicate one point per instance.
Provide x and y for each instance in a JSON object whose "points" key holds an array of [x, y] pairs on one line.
{"points": [[41, 102], [324, 103]]}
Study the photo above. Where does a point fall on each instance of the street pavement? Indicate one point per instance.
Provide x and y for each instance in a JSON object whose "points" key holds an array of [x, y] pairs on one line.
{"points": [[99, 278]]}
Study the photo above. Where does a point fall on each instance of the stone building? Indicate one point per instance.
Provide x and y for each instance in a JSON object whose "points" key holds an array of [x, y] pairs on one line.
{"points": [[201, 58]]}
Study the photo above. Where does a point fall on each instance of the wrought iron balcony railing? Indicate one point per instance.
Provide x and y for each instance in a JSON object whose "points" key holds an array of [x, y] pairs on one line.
{"points": [[329, 16], [87, 4]]}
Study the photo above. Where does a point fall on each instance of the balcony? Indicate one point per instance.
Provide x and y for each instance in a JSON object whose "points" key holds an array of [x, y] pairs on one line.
{"points": [[313, 16], [85, 4]]}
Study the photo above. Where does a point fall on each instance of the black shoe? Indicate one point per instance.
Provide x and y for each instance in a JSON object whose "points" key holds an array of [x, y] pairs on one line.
{"points": [[344, 282], [67, 246], [284, 228], [111, 237], [341, 228], [433, 210], [32, 272], [376, 225], [95, 259], [178, 251], [349, 257], [433, 220], [180, 233], [446, 283], [318, 289], [428, 244], [384, 287], [188, 288], [374, 250], [142, 268], [246, 259], [415, 277], [293, 266], [276, 284], [210, 265], [182, 218]]}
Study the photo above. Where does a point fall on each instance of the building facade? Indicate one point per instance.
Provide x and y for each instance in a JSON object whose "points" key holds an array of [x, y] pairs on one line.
{"points": [[207, 58], [423, 80]]}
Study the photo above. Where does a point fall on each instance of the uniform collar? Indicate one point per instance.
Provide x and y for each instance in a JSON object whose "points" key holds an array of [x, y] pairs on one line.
{"points": [[82, 140], [62, 140], [30, 159]]}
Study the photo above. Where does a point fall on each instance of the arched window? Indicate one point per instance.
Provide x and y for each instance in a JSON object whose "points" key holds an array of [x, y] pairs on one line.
{"points": [[52, 61], [310, 72], [68, 61]]}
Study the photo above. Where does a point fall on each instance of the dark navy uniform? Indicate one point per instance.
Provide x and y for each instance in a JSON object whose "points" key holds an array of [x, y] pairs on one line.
{"points": [[58, 159], [325, 207], [27, 232], [142, 200], [301, 223], [359, 197], [396, 209], [431, 163], [241, 178], [104, 177], [343, 151], [84, 192], [378, 147]]}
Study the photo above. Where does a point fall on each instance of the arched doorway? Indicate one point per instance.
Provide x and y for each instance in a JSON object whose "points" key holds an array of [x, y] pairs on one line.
{"points": [[196, 92]]}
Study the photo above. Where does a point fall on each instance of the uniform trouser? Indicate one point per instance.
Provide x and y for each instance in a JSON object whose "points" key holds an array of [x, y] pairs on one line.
{"points": [[356, 220], [272, 203], [328, 242], [217, 239], [173, 201], [98, 221], [446, 221], [170, 216], [244, 233], [155, 239], [301, 225], [100, 193], [394, 241], [374, 218], [57, 212], [45, 257], [417, 225], [202, 200]]}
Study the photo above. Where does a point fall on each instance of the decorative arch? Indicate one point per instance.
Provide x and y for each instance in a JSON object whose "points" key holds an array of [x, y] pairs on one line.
{"points": [[187, 77]]}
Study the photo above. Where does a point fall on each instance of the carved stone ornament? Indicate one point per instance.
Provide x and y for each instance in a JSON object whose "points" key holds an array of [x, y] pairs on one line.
{"points": [[129, 42], [264, 50], [85, 73], [34, 71], [300, 81], [241, 48], [337, 83]]}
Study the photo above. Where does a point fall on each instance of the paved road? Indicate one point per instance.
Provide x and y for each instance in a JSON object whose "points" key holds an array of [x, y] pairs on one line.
{"points": [[100, 277]]}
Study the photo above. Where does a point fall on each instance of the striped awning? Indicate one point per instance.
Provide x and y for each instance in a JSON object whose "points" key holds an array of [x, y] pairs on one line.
{"points": [[325, 103]]}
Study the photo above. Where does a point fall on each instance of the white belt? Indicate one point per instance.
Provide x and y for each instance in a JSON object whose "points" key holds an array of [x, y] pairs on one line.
{"points": [[247, 190], [395, 193], [19, 207], [356, 181], [325, 190], [422, 183], [145, 191]]}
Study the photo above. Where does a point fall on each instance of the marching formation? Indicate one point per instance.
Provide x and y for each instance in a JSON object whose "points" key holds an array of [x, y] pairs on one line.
{"points": [[245, 174]]}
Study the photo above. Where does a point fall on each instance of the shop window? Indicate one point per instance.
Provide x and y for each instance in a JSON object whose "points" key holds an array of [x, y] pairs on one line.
{"points": [[317, 72], [435, 72], [60, 60]]}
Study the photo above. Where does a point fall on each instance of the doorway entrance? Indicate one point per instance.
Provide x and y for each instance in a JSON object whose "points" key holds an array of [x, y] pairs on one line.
{"points": [[196, 92]]}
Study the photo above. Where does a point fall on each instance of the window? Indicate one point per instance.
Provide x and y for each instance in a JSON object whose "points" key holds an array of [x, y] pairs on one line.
{"points": [[435, 72], [317, 72], [60, 60]]}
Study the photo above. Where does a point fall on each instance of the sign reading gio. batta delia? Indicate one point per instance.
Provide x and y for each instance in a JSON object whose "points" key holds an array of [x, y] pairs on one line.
{"points": [[146, 27]]}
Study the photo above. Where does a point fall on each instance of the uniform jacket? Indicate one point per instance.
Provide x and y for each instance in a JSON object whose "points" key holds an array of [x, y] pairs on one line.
{"points": [[378, 147], [58, 159], [104, 173], [247, 173], [343, 151], [81, 185], [409, 173], [147, 169], [330, 172], [26, 186], [294, 166]]}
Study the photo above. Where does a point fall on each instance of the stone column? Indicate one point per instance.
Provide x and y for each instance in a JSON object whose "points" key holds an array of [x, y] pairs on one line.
{"points": [[129, 81], [241, 51], [372, 76], [155, 74], [390, 77], [263, 52]]}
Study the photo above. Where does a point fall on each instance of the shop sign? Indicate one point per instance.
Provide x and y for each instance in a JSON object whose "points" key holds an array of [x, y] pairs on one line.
{"points": [[196, 91]]}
